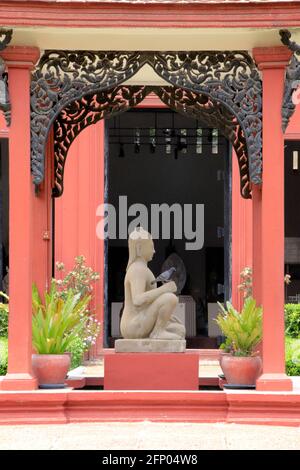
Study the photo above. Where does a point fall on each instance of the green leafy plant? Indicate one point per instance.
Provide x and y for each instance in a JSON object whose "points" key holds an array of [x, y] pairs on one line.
{"points": [[4, 309], [292, 320], [226, 346], [292, 368], [57, 322], [3, 356], [77, 349], [243, 330], [292, 356]]}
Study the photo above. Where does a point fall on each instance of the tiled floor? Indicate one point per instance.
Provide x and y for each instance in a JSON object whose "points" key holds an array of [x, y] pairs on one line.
{"points": [[96, 369], [206, 369], [150, 436]]}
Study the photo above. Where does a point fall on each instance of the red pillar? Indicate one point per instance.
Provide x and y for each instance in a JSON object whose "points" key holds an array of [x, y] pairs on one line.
{"points": [[20, 61], [272, 63], [42, 226], [256, 241], [99, 197], [241, 234]]}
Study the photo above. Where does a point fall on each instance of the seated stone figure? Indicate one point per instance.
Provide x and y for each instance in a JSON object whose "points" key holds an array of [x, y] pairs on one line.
{"points": [[148, 309]]}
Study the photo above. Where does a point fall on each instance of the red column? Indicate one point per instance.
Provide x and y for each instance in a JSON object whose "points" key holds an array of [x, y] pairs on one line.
{"points": [[20, 61], [99, 198], [256, 241], [42, 226], [272, 63], [241, 234]]}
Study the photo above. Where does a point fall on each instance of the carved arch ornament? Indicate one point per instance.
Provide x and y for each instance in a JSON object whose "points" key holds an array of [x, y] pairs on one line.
{"points": [[221, 88], [292, 78], [89, 110]]}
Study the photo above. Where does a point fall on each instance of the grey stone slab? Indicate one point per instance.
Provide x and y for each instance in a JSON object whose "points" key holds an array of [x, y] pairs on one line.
{"points": [[150, 345]]}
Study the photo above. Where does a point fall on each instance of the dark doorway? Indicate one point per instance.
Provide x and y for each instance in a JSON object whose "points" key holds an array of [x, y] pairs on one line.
{"points": [[4, 201], [157, 156], [292, 220]]}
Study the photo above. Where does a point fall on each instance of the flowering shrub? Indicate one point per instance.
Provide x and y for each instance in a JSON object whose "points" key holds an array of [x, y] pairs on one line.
{"points": [[90, 332], [84, 341], [80, 279], [246, 282]]}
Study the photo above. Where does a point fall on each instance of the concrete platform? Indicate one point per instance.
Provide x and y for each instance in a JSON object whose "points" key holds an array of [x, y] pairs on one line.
{"points": [[151, 371], [76, 406], [91, 373], [87, 406], [147, 435]]}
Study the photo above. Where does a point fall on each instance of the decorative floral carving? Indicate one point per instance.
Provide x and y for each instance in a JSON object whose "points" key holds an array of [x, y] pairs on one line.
{"points": [[63, 77], [212, 114], [82, 113], [229, 80]]}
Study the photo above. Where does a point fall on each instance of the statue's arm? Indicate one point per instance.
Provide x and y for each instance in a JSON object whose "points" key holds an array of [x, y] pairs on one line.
{"points": [[139, 294]]}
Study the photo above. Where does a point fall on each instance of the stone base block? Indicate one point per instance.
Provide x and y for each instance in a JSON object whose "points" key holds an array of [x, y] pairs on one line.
{"points": [[149, 345], [151, 371], [21, 381], [274, 383]]}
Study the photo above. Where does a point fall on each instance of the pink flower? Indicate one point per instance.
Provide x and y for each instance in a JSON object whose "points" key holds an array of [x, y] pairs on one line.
{"points": [[296, 96]]}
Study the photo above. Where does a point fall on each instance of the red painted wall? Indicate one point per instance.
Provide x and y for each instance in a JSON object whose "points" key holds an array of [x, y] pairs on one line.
{"points": [[3, 129], [293, 129], [75, 210]]}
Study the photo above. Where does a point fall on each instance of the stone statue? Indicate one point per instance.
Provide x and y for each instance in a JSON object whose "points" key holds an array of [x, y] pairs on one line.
{"points": [[148, 309]]}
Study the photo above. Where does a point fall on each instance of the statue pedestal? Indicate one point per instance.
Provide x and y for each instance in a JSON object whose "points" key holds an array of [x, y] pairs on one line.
{"points": [[151, 371], [150, 345]]}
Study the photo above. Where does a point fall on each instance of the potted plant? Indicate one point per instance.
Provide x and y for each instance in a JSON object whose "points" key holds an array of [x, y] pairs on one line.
{"points": [[56, 323], [243, 331], [81, 279]]}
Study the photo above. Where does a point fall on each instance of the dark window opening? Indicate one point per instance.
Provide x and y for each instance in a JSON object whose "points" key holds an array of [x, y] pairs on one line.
{"points": [[158, 156], [292, 221], [4, 202]]}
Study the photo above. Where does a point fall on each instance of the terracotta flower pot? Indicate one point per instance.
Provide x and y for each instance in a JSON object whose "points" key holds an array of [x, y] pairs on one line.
{"points": [[241, 370], [51, 369], [221, 355]]}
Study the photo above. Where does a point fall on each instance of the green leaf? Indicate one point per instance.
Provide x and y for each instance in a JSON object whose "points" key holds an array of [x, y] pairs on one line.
{"points": [[57, 321], [242, 330]]}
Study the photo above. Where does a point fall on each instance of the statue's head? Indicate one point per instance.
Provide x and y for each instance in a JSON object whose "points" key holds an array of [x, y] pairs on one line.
{"points": [[140, 245]]}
